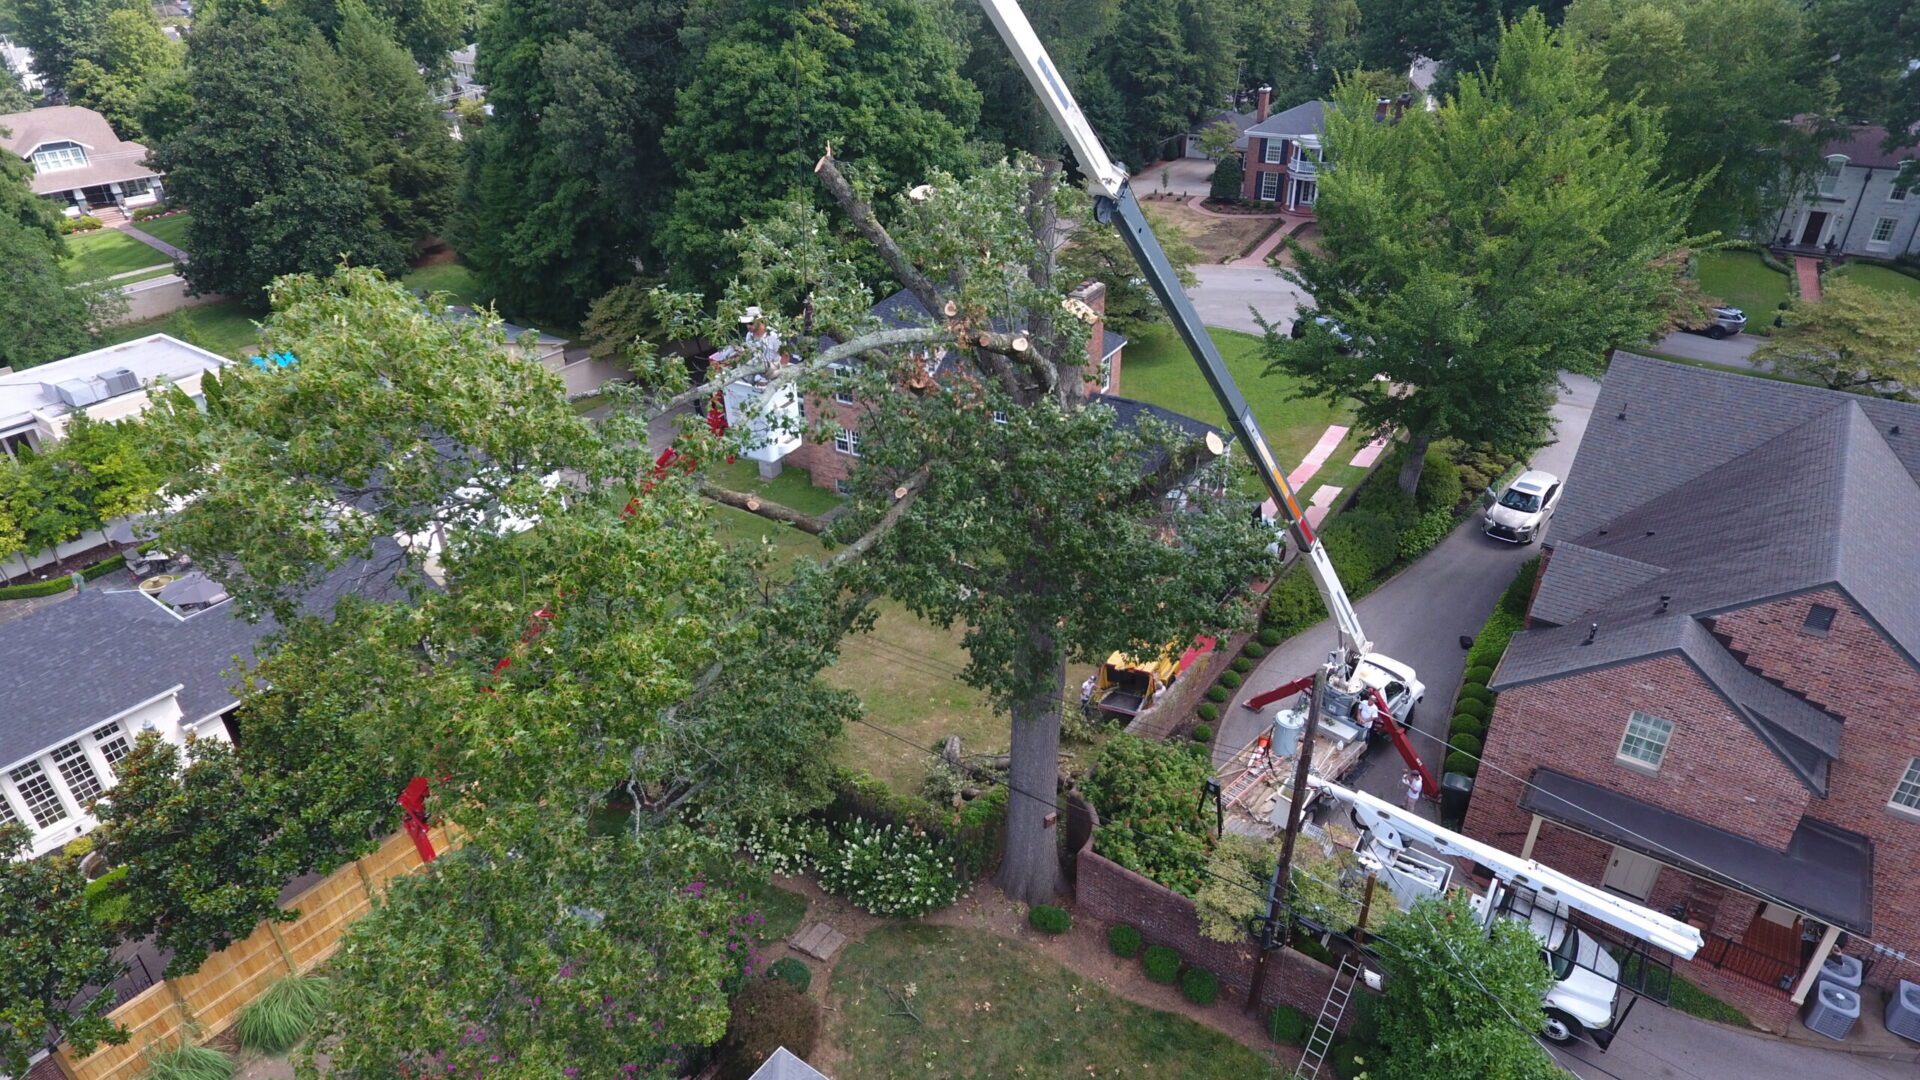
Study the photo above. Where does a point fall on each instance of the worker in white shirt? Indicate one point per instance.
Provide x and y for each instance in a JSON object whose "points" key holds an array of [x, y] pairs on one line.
{"points": [[762, 344], [1367, 715], [1411, 781]]}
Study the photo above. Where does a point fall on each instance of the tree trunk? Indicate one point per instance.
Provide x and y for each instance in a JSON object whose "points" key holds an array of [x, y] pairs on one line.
{"points": [[1416, 459], [1030, 870]]}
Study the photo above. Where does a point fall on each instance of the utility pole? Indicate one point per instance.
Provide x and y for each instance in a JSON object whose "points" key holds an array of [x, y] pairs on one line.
{"points": [[1283, 870]]}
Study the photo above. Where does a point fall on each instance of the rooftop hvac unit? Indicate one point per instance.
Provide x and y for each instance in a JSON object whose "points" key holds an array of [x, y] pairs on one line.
{"points": [[120, 381], [1842, 970], [79, 393], [1833, 1011], [1903, 1010]]}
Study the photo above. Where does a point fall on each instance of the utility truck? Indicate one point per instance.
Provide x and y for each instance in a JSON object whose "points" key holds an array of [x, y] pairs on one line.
{"points": [[1355, 662], [1580, 926]]}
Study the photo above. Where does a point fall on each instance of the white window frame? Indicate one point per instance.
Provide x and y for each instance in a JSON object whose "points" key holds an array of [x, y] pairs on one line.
{"points": [[106, 738], [59, 157], [841, 487], [1645, 737], [842, 396], [1830, 174], [77, 772], [1300, 185], [50, 778], [1273, 151], [846, 441], [1906, 792], [1878, 242], [1269, 186], [999, 416]]}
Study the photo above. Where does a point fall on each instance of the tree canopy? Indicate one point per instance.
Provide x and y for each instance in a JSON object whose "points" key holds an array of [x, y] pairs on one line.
{"points": [[1474, 252], [121, 69], [52, 950], [1855, 337], [1869, 45]]}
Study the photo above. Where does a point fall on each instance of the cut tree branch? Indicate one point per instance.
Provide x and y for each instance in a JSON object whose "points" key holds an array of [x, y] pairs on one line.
{"points": [[903, 498], [877, 235]]}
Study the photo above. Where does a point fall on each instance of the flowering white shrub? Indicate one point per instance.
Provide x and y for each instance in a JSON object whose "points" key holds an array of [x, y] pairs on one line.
{"points": [[888, 869], [786, 847]]}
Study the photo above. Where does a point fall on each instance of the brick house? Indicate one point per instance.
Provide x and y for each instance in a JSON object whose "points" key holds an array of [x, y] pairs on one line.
{"points": [[829, 462], [1856, 204], [1712, 708], [1281, 155]]}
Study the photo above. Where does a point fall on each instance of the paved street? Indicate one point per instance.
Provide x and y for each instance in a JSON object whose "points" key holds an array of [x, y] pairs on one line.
{"points": [[1661, 1044], [1736, 351], [1226, 293], [1418, 617]]}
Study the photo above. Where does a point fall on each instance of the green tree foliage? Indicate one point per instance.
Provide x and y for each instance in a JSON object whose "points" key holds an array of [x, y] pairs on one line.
{"points": [[427, 29], [391, 130], [776, 84], [1011, 115], [1464, 38], [1147, 64], [1854, 338], [60, 32], [1296, 46], [13, 95], [128, 54], [1099, 255], [1228, 180], [1146, 795], [44, 314], [535, 948], [1460, 1004], [264, 164], [51, 951], [1725, 77], [565, 181], [1870, 43], [1475, 252]]}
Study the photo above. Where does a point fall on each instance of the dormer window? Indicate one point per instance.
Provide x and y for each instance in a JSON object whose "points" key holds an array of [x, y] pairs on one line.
{"points": [[1830, 174], [59, 156]]}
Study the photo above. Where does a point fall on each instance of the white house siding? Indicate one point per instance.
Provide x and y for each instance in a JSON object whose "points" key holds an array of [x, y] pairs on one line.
{"points": [[1862, 196], [49, 792]]}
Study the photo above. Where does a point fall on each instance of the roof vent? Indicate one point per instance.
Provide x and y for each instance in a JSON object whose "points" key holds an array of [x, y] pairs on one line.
{"points": [[79, 393], [1665, 599], [1895, 430], [120, 381], [1593, 631]]}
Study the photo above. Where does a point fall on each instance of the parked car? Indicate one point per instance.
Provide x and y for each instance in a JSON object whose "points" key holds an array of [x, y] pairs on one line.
{"points": [[1521, 512], [1721, 322], [1343, 341]]}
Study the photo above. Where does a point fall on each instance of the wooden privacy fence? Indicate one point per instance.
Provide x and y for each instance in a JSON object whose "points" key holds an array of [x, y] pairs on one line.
{"points": [[199, 1006]]}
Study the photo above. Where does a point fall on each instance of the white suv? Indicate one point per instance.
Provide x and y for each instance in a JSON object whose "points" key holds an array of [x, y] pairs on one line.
{"points": [[1521, 512]]}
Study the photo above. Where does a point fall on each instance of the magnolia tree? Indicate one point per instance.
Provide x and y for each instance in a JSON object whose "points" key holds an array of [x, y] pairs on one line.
{"points": [[991, 491], [52, 953]]}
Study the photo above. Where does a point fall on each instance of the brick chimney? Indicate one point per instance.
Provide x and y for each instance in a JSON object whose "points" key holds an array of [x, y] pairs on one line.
{"points": [[1400, 106], [1094, 295], [1262, 101], [1380, 107]]}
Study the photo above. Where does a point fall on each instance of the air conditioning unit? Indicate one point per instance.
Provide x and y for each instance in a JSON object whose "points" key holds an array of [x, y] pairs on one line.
{"points": [[1833, 1011], [79, 393], [1903, 1010], [120, 381], [1842, 970]]}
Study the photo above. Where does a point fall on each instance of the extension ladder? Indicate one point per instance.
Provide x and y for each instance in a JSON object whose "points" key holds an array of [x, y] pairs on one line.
{"points": [[1328, 1024]]}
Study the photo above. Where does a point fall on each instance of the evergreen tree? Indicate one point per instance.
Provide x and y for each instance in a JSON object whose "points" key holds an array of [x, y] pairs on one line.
{"points": [[264, 163], [1010, 115], [391, 130], [127, 53], [779, 82], [427, 29], [60, 32], [13, 95], [1149, 66], [54, 951]]}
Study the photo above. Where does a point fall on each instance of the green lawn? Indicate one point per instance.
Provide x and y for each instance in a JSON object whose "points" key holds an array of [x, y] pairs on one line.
{"points": [[793, 488], [106, 252], [1741, 279], [993, 1009], [782, 908], [225, 327], [172, 229], [1881, 278], [1157, 369], [451, 278]]}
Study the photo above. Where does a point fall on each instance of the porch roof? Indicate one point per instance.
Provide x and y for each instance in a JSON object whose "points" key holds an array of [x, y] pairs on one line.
{"points": [[1826, 871]]}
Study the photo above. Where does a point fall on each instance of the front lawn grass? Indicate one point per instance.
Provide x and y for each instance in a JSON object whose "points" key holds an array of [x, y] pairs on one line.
{"points": [[992, 1009], [172, 229], [103, 253], [1739, 278], [793, 488], [457, 281], [781, 908], [1881, 278], [226, 328], [1157, 369]]}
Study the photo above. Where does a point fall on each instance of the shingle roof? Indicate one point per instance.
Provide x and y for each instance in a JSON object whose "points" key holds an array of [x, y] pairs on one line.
{"points": [[1826, 871], [109, 158], [1127, 413], [1765, 490], [1864, 145], [782, 1064], [1110, 343], [1305, 119]]}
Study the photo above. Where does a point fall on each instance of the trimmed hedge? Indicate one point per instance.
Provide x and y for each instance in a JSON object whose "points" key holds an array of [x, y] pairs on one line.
{"points": [[1241, 664], [1123, 941], [1481, 674], [1465, 743], [1468, 725], [1218, 693], [1200, 986], [1476, 692], [1271, 636], [1208, 712], [1287, 1025], [1202, 733], [1470, 707], [1461, 763], [1049, 919], [1230, 680], [1439, 487], [792, 972], [37, 588], [1253, 650], [1162, 964], [104, 567]]}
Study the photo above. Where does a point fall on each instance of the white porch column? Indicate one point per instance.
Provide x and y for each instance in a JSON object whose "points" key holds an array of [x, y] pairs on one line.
{"points": [[1807, 977], [1533, 834]]}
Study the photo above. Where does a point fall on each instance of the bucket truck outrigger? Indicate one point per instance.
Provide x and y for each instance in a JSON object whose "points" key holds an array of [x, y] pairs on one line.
{"points": [[1359, 673]]}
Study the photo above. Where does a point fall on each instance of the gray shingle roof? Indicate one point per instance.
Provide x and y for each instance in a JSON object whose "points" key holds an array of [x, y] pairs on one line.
{"points": [[1718, 492], [1826, 871], [782, 1064], [1305, 119], [1110, 342], [1127, 413]]}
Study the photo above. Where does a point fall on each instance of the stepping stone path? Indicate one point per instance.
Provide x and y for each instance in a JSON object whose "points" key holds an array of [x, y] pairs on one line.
{"points": [[1317, 456], [819, 941], [1322, 504], [1370, 453]]}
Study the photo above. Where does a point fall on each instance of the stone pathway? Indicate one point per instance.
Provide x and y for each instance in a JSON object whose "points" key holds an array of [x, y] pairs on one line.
{"points": [[1806, 269], [819, 941], [1258, 256], [1322, 504], [1316, 457], [1370, 453], [153, 242]]}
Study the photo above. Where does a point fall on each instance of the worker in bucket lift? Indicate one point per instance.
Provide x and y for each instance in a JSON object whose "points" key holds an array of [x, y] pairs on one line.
{"points": [[762, 343]]}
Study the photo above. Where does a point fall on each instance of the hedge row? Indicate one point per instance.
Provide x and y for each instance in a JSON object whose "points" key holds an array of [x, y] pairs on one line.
{"points": [[1473, 707], [37, 588], [973, 830]]}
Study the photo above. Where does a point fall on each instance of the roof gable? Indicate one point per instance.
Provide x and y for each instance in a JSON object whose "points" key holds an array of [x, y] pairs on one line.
{"points": [[1309, 118]]}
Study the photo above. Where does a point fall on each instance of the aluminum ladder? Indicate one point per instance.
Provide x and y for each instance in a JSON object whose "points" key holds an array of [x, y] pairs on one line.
{"points": [[1328, 1024]]}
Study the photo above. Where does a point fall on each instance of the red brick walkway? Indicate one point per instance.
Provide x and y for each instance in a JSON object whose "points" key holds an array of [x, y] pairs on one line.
{"points": [[1807, 270]]}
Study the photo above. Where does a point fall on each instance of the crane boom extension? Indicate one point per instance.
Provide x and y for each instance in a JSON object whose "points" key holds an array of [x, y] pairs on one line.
{"points": [[1115, 204], [1392, 827]]}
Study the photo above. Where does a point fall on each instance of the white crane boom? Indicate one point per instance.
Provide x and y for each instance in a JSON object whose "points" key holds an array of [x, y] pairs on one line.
{"points": [[1392, 827], [1116, 204]]}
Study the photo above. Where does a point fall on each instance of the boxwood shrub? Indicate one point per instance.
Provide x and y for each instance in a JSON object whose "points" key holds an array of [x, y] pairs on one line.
{"points": [[1230, 680], [1049, 919], [1200, 985], [1218, 693], [792, 972], [104, 567], [1271, 636], [37, 588], [1123, 941], [1465, 743], [1162, 964], [1288, 1025], [1202, 733], [1241, 664], [1476, 692], [1470, 707], [1461, 763], [1467, 725], [1481, 674], [1253, 650], [1208, 712]]}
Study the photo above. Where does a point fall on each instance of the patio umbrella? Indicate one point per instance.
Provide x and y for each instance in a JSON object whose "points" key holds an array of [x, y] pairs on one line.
{"points": [[121, 532], [193, 589]]}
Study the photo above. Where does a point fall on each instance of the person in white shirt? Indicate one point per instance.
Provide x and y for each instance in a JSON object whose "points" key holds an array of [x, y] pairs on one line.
{"points": [[1411, 780], [762, 344]]}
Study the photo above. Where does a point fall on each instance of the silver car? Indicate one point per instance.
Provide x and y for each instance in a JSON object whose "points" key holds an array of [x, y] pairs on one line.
{"points": [[1521, 512]]}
